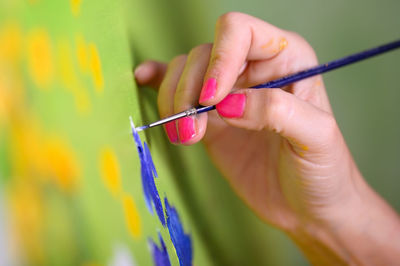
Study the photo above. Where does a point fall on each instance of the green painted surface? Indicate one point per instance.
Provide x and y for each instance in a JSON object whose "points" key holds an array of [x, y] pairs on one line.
{"points": [[84, 224]]}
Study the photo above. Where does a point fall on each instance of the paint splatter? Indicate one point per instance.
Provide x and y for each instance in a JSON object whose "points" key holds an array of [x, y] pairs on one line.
{"points": [[181, 241], [132, 217], [160, 254], [70, 79], [109, 169], [75, 7], [63, 164], [282, 44], [40, 58], [82, 53], [95, 66], [148, 172], [268, 44], [10, 43]]}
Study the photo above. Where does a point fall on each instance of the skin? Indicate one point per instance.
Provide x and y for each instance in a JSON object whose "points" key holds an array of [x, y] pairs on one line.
{"points": [[285, 157]]}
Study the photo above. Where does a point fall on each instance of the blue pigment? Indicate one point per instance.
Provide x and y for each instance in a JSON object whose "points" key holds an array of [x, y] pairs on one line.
{"points": [[160, 254], [148, 172], [181, 241]]}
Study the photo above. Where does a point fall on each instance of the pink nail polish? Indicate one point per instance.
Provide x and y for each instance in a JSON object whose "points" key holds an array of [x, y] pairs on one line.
{"points": [[208, 90], [186, 128], [172, 134], [232, 106]]}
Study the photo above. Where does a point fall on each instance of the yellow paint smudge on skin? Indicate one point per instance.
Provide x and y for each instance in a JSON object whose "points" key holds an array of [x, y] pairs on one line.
{"points": [[82, 53], [303, 148], [268, 44], [282, 44], [70, 79], [40, 60], [131, 216], [75, 7], [95, 67], [110, 171], [317, 83]]}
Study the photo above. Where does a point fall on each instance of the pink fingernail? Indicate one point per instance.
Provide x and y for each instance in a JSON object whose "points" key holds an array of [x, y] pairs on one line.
{"points": [[172, 134], [186, 128], [232, 106], [208, 90]]}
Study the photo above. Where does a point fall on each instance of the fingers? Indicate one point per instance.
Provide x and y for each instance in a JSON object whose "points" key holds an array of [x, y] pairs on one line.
{"points": [[150, 73], [240, 38], [166, 95], [192, 129], [301, 123]]}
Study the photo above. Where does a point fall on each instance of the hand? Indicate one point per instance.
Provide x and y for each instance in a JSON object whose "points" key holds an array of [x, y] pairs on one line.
{"points": [[280, 149]]}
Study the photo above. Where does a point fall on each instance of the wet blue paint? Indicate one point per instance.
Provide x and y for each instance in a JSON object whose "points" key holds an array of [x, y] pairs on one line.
{"points": [[160, 254], [181, 241], [148, 172]]}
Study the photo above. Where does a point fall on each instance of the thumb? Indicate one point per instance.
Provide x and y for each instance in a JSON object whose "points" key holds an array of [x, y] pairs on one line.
{"points": [[300, 122]]}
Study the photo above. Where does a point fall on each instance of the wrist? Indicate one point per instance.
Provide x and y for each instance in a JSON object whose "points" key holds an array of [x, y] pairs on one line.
{"points": [[364, 231]]}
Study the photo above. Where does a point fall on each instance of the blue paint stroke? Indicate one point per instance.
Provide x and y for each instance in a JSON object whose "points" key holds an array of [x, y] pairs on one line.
{"points": [[182, 242], [148, 172], [160, 254]]}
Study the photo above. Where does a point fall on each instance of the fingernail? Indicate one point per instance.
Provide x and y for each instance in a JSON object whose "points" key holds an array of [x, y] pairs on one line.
{"points": [[172, 134], [186, 128], [208, 90], [232, 106], [138, 69]]}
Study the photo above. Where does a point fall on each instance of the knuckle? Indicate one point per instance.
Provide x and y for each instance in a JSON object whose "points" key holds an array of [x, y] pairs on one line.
{"points": [[306, 49], [228, 19], [276, 108], [201, 49], [179, 59]]}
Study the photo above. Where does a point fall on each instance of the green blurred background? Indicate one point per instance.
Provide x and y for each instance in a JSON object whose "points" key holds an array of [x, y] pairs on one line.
{"points": [[69, 172]]}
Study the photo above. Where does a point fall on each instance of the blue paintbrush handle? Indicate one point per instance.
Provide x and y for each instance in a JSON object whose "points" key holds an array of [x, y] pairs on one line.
{"points": [[284, 81]]}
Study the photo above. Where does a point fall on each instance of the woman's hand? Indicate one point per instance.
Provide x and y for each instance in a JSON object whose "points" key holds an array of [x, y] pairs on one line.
{"points": [[280, 149]]}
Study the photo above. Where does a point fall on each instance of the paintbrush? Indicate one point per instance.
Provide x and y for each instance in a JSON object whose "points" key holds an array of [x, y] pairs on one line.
{"points": [[284, 81]]}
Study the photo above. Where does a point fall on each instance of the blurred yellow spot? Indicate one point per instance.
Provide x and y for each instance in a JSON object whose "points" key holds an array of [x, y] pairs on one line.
{"points": [[82, 54], [70, 79], [27, 216], [282, 44], [40, 59], [63, 164], [109, 169], [10, 43], [268, 44], [76, 7], [95, 67], [131, 216]]}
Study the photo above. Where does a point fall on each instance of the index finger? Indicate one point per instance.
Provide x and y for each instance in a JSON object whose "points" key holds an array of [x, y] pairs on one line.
{"points": [[238, 38]]}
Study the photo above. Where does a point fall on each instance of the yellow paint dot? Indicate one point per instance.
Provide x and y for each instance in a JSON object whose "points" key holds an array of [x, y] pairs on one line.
{"points": [[109, 169], [131, 216], [75, 7], [63, 164], [95, 66], [10, 43], [282, 44], [70, 79], [27, 218], [40, 59], [82, 55]]}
